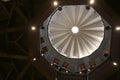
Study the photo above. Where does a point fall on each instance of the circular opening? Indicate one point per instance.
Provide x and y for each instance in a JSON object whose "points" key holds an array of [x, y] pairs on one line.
{"points": [[75, 29]]}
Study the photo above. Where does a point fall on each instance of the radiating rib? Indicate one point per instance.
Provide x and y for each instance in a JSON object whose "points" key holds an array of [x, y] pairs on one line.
{"points": [[58, 28], [61, 41], [94, 28], [86, 48], [58, 35], [57, 23], [65, 47], [89, 46], [79, 48], [65, 14], [73, 14], [81, 10], [72, 48], [97, 34], [68, 12], [97, 38], [92, 22], [93, 39], [62, 17], [90, 13]]}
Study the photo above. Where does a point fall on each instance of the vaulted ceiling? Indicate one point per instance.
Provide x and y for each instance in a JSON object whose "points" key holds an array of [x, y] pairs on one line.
{"points": [[19, 44]]}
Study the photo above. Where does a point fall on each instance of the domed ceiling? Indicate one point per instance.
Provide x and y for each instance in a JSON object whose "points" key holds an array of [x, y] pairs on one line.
{"points": [[76, 32]]}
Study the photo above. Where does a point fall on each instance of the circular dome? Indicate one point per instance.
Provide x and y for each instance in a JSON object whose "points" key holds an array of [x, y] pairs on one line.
{"points": [[76, 32]]}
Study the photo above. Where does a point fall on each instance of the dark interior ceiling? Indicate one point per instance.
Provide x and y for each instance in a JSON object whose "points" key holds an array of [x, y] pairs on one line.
{"points": [[114, 5], [18, 42]]}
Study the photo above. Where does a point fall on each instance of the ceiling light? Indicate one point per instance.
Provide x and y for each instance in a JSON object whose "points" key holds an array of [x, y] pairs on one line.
{"points": [[42, 54], [51, 64], [34, 59], [55, 3], [66, 71], [117, 28], [115, 64], [75, 29], [33, 28], [92, 1], [80, 72], [88, 70]]}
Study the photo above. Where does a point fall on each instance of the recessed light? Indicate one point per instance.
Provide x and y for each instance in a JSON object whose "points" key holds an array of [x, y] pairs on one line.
{"points": [[115, 64], [66, 71], [117, 28], [51, 64], [34, 59], [92, 1], [42, 54], [33, 28], [89, 70], [80, 72], [55, 3]]}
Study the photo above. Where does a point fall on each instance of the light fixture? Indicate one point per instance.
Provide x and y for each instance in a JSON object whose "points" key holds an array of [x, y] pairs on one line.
{"points": [[80, 72], [115, 64], [66, 71], [51, 64], [34, 59], [33, 28], [42, 54], [117, 28], [75, 29], [89, 70], [55, 3], [92, 1]]}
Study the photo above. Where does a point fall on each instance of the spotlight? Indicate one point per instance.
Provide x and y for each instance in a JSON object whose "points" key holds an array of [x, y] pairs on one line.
{"points": [[42, 54], [92, 1], [33, 28], [55, 3], [80, 72], [115, 64], [66, 71], [34, 59], [51, 64], [117, 28], [89, 70]]}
